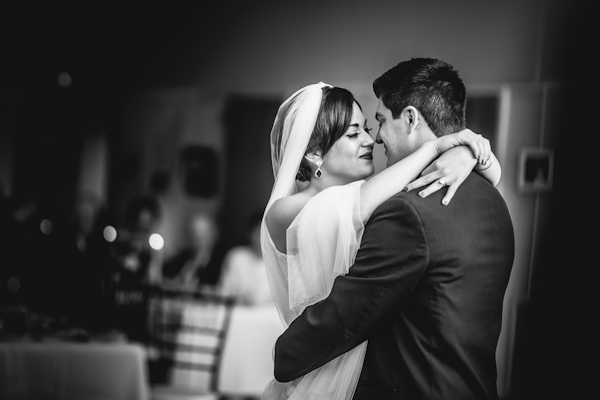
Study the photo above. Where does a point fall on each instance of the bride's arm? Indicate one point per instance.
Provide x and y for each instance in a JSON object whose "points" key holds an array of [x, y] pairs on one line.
{"points": [[448, 167], [394, 178]]}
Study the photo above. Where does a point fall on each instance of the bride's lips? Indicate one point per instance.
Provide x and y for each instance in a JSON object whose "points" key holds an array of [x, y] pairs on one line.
{"points": [[367, 156]]}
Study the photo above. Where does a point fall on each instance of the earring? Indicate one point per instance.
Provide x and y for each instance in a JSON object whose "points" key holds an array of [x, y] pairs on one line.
{"points": [[318, 172]]}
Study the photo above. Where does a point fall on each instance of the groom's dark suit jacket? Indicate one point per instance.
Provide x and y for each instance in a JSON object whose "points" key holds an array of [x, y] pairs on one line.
{"points": [[426, 291]]}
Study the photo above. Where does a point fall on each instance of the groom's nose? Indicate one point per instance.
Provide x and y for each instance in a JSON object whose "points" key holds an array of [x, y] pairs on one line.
{"points": [[378, 138]]}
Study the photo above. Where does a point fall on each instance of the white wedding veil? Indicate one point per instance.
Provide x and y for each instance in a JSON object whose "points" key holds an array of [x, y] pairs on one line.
{"points": [[293, 126]]}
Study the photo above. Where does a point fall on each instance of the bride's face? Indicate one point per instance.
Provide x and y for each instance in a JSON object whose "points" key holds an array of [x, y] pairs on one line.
{"points": [[351, 156]]}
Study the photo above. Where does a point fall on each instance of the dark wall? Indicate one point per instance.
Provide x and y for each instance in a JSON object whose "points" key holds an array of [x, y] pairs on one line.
{"points": [[554, 355], [248, 122]]}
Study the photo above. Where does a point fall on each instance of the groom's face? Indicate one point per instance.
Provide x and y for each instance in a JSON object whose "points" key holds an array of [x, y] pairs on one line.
{"points": [[393, 134]]}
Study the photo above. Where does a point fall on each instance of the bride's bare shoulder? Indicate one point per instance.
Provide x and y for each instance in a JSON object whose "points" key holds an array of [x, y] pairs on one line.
{"points": [[281, 215], [284, 210]]}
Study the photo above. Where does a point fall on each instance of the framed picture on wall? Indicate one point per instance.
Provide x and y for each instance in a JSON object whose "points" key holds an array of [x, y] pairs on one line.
{"points": [[536, 167]]}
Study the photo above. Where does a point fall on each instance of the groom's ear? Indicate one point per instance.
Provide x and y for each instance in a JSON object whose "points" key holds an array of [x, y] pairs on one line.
{"points": [[412, 118]]}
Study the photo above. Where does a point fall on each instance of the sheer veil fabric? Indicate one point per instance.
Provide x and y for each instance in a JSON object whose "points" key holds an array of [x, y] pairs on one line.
{"points": [[294, 123], [322, 243]]}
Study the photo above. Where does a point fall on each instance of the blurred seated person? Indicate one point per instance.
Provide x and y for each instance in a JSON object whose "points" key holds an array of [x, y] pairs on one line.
{"points": [[244, 275], [137, 260], [198, 265]]}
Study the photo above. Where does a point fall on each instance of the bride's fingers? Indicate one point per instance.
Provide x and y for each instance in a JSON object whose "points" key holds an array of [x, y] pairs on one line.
{"points": [[422, 181], [481, 151], [434, 187], [437, 185], [485, 152], [449, 194], [481, 148]]}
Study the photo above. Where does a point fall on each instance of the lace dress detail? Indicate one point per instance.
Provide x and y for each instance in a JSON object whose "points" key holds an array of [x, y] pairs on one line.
{"points": [[282, 259], [296, 285]]}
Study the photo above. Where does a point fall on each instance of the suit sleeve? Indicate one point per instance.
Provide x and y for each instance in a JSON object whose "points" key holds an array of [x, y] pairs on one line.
{"points": [[392, 257]]}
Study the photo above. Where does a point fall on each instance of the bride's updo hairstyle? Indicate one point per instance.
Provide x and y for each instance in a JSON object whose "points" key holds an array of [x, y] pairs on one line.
{"points": [[335, 115]]}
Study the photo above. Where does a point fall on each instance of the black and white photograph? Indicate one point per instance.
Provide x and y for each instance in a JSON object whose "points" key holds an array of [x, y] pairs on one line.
{"points": [[297, 200]]}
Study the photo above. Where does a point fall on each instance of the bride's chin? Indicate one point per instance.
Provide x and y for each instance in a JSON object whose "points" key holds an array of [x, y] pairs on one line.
{"points": [[367, 175]]}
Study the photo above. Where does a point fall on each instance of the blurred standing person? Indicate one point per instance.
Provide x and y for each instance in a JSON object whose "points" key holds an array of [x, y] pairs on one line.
{"points": [[244, 275], [88, 219], [198, 264]]}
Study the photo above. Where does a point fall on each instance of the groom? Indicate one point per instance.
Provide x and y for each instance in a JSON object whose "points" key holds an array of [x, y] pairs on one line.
{"points": [[428, 282]]}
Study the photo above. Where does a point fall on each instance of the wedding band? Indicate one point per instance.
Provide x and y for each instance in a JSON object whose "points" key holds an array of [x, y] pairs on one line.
{"points": [[442, 182]]}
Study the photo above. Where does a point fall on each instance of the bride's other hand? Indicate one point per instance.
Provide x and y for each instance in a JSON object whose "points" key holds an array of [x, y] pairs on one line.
{"points": [[480, 146]]}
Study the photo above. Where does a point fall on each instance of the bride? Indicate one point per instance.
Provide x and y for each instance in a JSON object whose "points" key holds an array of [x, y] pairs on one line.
{"points": [[322, 154]]}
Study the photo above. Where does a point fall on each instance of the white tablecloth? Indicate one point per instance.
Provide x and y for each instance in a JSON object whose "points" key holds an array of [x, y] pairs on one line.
{"points": [[247, 362], [72, 371]]}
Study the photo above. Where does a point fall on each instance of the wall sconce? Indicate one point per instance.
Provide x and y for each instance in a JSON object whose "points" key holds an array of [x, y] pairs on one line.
{"points": [[536, 170]]}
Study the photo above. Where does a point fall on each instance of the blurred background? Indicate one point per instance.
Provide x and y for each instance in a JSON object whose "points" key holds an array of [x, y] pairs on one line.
{"points": [[122, 126]]}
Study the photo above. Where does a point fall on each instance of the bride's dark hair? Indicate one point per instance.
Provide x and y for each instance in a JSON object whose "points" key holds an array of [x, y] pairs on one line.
{"points": [[335, 115]]}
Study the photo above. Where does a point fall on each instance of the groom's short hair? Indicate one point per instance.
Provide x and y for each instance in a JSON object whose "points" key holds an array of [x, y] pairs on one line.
{"points": [[432, 86]]}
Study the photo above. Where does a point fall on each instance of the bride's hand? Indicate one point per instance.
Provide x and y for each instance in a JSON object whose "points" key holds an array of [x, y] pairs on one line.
{"points": [[454, 165], [479, 145]]}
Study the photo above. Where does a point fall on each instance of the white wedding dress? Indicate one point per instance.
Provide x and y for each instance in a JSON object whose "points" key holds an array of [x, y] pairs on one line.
{"points": [[322, 243]]}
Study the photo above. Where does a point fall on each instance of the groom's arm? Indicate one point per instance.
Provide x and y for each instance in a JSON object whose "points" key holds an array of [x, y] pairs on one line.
{"points": [[391, 259]]}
